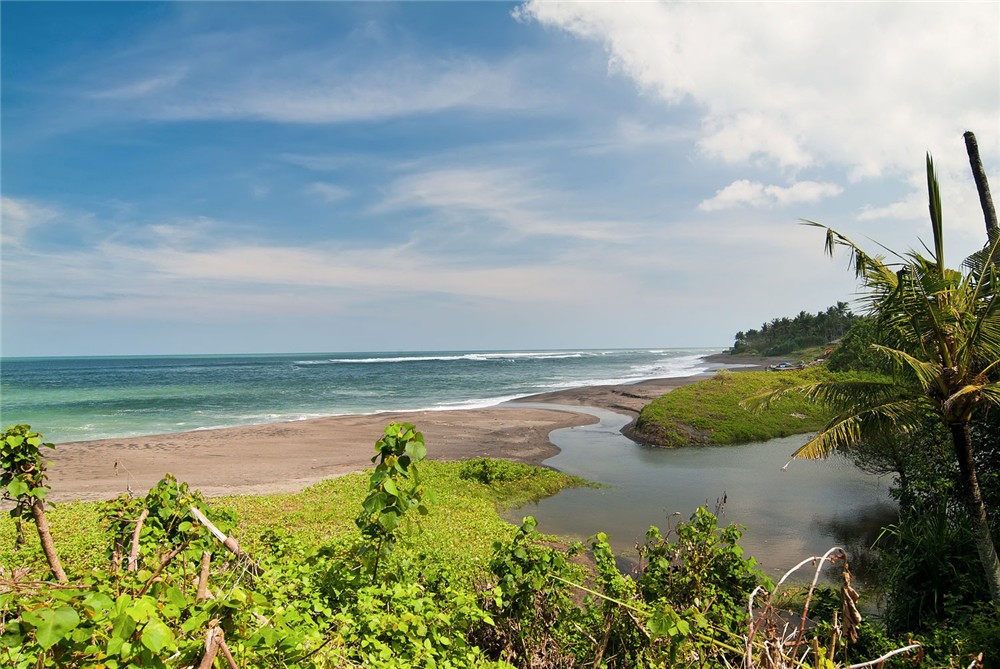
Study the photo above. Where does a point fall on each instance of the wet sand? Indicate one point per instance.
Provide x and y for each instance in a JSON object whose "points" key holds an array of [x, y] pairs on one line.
{"points": [[285, 457]]}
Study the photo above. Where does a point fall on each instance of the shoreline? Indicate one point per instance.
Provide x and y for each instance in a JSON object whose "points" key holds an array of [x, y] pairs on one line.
{"points": [[289, 456]]}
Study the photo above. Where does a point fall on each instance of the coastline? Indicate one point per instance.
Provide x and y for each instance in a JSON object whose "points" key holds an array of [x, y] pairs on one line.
{"points": [[289, 456]]}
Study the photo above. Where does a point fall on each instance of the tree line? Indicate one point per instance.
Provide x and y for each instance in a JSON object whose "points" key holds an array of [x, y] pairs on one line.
{"points": [[784, 335]]}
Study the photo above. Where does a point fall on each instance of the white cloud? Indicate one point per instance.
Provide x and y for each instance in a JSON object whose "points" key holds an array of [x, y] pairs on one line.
{"points": [[174, 273], [911, 208], [320, 162], [754, 194], [797, 84], [327, 192]]}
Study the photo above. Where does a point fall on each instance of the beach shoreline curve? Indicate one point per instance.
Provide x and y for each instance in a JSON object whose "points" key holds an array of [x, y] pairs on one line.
{"points": [[289, 456]]}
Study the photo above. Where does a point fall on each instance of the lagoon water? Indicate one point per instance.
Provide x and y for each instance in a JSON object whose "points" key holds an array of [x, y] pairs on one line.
{"points": [[791, 513]]}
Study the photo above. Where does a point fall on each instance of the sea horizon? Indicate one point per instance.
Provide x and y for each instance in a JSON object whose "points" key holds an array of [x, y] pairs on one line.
{"points": [[84, 398]]}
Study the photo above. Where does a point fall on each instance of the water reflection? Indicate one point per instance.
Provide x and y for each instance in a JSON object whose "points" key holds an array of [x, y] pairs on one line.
{"points": [[790, 514]]}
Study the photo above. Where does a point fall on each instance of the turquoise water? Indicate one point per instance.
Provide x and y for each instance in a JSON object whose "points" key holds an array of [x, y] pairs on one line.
{"points": [[75, 399]]}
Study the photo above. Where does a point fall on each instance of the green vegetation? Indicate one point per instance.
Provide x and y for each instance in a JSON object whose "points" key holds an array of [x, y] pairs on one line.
{"points": [[709, 412], [783, 336], [931, 416], [459, 589], [939, 330]]}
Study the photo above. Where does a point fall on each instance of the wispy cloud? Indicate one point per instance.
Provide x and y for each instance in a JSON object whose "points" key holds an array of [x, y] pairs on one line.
{"points": [[143, 87], [327, 192], [19, 217], [187, 267], [502, 196]]}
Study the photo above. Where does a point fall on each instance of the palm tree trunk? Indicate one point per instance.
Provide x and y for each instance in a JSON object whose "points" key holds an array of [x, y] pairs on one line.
{"points": [[975, 507], [38, 511], [982, 185]]}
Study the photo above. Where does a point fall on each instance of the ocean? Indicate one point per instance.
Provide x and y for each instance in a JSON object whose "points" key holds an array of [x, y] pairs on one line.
{"points": [[78, 399]]}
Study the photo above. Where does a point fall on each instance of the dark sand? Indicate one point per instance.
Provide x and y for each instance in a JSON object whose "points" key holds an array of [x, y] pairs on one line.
{"points": [[286, 457]]}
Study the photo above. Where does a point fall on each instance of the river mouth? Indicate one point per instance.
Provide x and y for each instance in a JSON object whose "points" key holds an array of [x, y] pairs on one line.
{"points": [[790, 513]]}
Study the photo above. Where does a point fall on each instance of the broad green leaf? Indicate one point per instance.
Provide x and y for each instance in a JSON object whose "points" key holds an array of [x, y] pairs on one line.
{"points": [[98, 601], [17, 487], [123, 627], [390, 487], [417, 450], [156, 635], [55, 625]]}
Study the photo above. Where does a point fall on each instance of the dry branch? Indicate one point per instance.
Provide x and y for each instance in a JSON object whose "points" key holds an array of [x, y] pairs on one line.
{"points": [[229, 542], [133, 555], [206, 561]]}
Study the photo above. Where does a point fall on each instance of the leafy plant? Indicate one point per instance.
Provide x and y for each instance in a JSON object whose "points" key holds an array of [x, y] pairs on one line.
{"points": [[530, 600], [394, 489], [702, 565], [22, 479]]}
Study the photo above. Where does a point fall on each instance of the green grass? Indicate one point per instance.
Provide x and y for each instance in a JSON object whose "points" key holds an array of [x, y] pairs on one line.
{"points": [[709, 412], [460, 530]]}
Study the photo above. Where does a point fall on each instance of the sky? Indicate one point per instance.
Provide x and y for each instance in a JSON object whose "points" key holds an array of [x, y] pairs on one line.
{"points": [[251, 177]]}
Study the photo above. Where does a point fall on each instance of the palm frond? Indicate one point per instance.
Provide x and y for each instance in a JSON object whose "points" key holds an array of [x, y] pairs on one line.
{"points": [[934, 204], [984, 258], [847, 430], [973, 389], [991, 393], [841, 396], [926, 373], [864, 265], [841, 435], [983, 340]]}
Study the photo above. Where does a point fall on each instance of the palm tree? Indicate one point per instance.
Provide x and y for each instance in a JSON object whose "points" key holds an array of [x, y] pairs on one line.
{"points": [[940, 331]]}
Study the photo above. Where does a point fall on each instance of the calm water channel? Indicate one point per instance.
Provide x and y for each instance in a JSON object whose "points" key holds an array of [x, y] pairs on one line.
{"points": [[790, 514]]}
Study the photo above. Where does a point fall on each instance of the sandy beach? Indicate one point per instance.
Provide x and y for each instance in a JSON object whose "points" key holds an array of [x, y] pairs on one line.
{"points": [[285, 457]]}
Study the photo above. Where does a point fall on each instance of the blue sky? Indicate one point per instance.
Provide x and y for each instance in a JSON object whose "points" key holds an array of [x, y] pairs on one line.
{"points": [[271, 177]]}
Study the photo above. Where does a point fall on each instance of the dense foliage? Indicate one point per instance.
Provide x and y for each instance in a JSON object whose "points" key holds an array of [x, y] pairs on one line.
{"points": [[785, 335]]}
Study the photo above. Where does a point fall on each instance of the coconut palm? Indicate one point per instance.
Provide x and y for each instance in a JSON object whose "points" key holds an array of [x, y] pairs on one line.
{"points": [[940, 331]]}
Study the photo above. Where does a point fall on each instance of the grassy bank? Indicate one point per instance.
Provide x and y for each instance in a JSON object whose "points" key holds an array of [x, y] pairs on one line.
{"points": [[462, 528], [709, 412]]}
